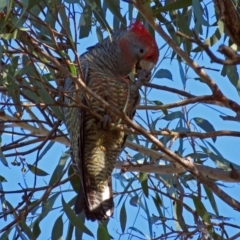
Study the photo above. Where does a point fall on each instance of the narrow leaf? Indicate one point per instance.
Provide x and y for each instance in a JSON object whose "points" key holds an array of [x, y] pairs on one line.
{"points": [[57, 173], [123, 217], [200, 209], [211, 199], [37, 171], [3, 159], [27, 230], [143, 177], [134, 201], [36, 229], [140, 232], [74, 219], [46, 149], [57, 230], [102, 233], [205, 125], [163, 73], [174, 6], [173, 115]]}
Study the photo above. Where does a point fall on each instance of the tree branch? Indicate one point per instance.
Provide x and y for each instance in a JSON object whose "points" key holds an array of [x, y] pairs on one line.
{"points": [[209, 172], [216, 92]]}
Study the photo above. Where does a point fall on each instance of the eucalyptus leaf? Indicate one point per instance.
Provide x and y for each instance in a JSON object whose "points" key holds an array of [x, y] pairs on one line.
{"points": [[37, 171], [163, 73]]}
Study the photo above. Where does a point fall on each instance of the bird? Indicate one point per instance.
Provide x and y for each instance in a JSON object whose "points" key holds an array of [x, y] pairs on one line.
{"points": [[110, 69]]}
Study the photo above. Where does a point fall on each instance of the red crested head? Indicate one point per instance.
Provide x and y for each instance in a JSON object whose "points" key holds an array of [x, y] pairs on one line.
{"points": [[142, 35], [138, 28]]}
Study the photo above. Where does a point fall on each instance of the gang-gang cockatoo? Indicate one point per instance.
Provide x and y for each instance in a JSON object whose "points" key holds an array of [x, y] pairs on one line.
{"points": [[109, 69]]}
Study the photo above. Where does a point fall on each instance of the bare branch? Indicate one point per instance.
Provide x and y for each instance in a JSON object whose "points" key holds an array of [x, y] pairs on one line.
{"points": [[217, 95], [209, 172]]}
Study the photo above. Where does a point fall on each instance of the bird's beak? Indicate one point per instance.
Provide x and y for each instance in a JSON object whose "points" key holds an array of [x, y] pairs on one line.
{"points": [[147, 65]]}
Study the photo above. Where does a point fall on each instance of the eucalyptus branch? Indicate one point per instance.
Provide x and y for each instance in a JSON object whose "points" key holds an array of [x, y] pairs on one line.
{"points": [[177, 104], [210, 172], [26, 38], [33, 130], [232, 56], [217, 93]]}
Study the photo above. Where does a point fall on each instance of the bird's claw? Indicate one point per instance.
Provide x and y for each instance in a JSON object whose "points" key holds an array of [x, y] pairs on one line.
{"points": [[142, 77], [106, 122]]}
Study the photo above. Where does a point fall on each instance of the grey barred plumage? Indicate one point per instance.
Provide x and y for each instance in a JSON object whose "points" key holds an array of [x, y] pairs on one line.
{"points": [[106, 68]]}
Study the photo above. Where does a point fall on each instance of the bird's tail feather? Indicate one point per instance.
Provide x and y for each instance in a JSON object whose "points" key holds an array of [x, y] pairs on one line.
{"points": [[96, 205]]}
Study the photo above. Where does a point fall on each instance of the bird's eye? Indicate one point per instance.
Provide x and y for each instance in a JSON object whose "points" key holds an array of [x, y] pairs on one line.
{"points": [[141, 50]]}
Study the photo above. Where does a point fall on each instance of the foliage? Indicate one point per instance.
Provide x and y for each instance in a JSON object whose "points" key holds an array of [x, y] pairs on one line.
{"points": [[178, 167]]}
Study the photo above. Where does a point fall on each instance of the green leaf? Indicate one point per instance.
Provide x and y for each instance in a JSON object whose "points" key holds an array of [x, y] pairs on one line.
{"points": [[47, 99], [211, 41], [46, 207], [20, 18], [219, 160], [57, 231], [174, 6], [205, 125], [214, 148], [143, 177], [85, 22], [36, 229], [113, 6], [65, 22], [200, 209], [134, 201], [211, 199], [37, 171], [69, 231], [120, 177], [76, 221], [3, 179], [27, 230], [179, 214], [148, 218], [173, 115], [32, 3], [30, 94], [182, 74], [10, 36], [123, 217], [99, 34], [46, 149], [72, 1], [233, 76], [78, 233], [102, 233], [198, 13], [158, 202], [140, 232], [216, 236], [196, 155], [3, 4], [57, 173], [75, 181], [184, 27], [163, 73], [5, 235], [159, 103], [98, 14], [12, 86], [129, 185], [137, 157], [3, 159]]}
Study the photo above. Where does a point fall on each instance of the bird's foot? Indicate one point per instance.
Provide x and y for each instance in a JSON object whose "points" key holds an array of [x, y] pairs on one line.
{"points": [[142, 77], [106, 122]]}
